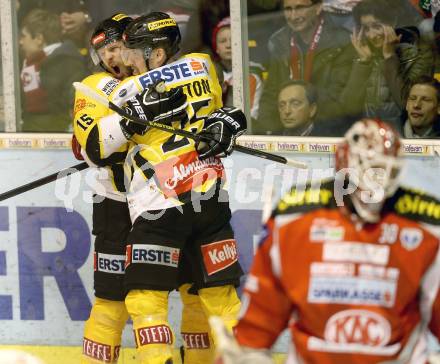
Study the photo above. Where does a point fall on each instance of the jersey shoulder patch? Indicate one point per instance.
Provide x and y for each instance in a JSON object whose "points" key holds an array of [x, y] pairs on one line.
{"points": [[415, 205], [307, 198], [199, 63], [102, 81]]}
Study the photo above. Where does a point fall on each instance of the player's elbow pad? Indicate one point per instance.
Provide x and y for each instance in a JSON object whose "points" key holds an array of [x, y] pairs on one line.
{"points": [[93, 149], [94, 152]]}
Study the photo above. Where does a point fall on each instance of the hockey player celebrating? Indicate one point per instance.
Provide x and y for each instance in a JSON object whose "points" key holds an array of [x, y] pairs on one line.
{"points": [[354, 283], [111, 221], [181, 236]]}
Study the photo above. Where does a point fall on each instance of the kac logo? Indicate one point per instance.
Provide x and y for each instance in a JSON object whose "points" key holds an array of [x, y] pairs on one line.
{"points": [[358, 327]]}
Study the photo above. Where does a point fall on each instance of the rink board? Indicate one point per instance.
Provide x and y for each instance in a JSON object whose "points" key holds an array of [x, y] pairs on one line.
{"points": [[46, 245]]}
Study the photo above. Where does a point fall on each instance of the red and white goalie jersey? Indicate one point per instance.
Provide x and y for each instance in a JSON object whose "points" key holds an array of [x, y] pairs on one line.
{"points": [[349, 294]]}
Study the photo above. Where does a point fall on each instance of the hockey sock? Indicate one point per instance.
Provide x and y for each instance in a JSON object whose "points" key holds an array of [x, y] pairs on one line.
{"points": [[220, 301], [195, 330], [103, 330], [153, 335]]}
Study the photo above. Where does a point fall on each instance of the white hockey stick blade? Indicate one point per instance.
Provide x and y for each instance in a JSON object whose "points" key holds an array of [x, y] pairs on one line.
{"points": [[296, 164], [88, 91]]}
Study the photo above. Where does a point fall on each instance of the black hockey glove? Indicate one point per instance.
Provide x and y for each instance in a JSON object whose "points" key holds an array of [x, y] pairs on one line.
{"points": [[221, 129], [154, 104]]}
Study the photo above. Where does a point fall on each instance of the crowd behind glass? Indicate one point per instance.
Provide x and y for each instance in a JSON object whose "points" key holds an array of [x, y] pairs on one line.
{"points": [[315, 66]]}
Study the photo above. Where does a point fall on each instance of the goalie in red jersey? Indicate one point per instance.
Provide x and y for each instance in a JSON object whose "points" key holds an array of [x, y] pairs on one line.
{"points": [[352, 268]]}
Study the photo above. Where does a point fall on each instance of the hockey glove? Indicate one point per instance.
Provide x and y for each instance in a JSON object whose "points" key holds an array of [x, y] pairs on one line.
{"points": [[154, 104], [221, 129]]}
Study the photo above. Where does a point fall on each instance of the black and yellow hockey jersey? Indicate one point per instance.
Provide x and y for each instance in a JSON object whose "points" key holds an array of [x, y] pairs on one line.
{"points": [[164, 168], [87, 129]]}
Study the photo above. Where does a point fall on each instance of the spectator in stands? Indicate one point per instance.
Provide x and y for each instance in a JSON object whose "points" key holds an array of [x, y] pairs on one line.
{"points": [[386, 65], [75, 25], [423, 108], [297, 110], [309, 48], [212, 11], [264, 18], [221, 46], [74, 17], [407, 12], [49, 68], [78, 17], [297, 107]]}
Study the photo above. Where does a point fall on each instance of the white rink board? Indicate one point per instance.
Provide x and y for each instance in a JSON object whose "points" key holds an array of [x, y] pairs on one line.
{"points": [[46, 251]]}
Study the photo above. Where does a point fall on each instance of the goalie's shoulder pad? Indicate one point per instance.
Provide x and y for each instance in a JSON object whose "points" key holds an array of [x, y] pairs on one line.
{"points": [[307, 198], [232, 117], [416, 205]]}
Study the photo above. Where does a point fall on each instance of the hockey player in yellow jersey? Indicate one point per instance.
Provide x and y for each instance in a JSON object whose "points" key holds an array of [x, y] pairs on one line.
{"points": [[181, 236], [111, 221]]}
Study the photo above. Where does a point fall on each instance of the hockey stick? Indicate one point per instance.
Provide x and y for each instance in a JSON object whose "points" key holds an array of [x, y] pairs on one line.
{"points": [[86, 90], [42, 181]]}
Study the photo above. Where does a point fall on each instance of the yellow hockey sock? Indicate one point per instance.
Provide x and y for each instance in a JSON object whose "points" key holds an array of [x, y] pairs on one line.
{"points": [[154, 337], [195, 330], [103, 330]]}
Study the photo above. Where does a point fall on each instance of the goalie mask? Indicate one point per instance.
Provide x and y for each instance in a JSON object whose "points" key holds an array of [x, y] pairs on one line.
{"points": [[371, 152], [106, 44]]}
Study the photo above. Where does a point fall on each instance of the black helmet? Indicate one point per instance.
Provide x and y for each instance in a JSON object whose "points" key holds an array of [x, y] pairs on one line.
{"points": [[108, 31], [151, 31]]}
